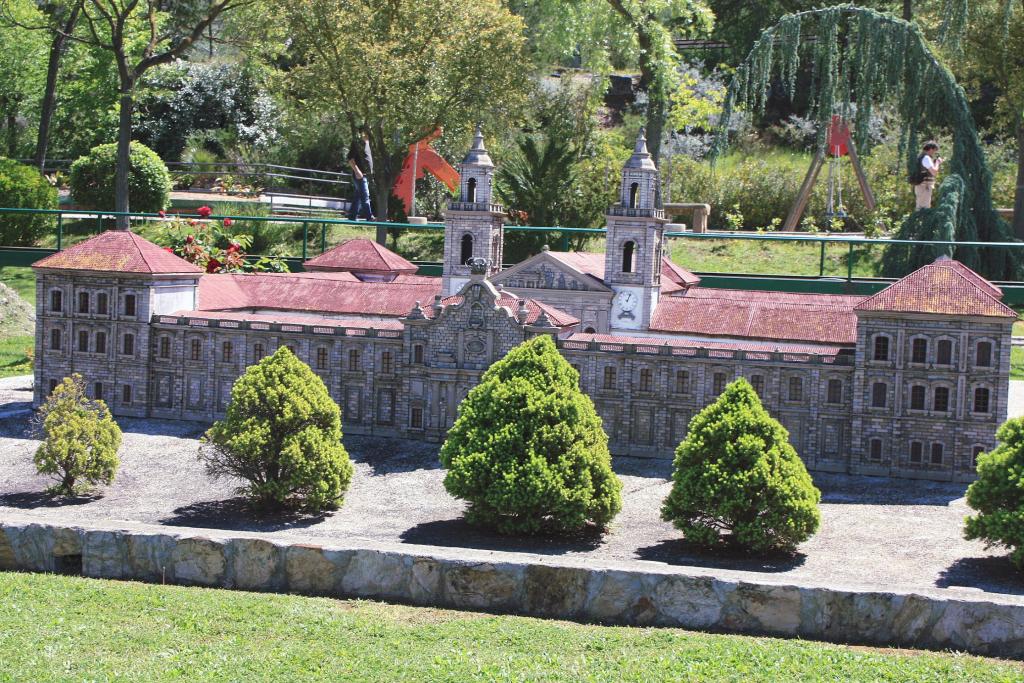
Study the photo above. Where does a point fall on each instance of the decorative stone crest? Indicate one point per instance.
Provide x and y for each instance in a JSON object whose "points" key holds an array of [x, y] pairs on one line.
{"points": [[478, 265]]}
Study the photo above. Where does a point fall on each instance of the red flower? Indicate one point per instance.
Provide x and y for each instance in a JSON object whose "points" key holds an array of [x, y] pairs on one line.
{"points": [[169, 250], [190, 239], [162, 214], [191, 221], [234, 247], [228, 222], [204, 211], [213, 265]]}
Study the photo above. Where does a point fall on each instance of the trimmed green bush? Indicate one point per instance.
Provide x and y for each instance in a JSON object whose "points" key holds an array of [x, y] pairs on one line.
{"points": [[998, 494], [149, 183], [527, 451], [282, 435], [80, 439], [24, 187], [736, 473]]}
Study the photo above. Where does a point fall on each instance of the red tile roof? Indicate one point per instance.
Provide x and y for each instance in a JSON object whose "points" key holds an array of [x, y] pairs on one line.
{"points": [[677, 274], [558, 317], [319, 321], [816, 318], [945, 287], [782, 347], [303, 292], [362, 256], [674, 276], [117, 251]]}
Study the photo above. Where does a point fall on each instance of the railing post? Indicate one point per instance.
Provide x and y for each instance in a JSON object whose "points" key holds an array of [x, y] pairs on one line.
{"points": [[60, 230], [565, 242], [305, 239], [849, 263], [821, 262], [99, 221], [323, 237]]}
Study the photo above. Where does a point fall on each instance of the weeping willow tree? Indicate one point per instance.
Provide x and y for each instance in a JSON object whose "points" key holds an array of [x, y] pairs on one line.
{"points": [[862, 58]]}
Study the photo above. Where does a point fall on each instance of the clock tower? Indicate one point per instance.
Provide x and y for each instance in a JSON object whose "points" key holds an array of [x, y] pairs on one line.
{"points": [[633, 247]]}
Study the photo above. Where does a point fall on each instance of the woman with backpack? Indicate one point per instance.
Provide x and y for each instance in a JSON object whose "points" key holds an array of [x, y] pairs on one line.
{"points": [[927, 169]]}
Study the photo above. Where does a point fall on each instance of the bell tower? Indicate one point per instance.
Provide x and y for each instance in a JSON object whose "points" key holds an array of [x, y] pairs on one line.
{"points": [[635, 238], [474, 224]]}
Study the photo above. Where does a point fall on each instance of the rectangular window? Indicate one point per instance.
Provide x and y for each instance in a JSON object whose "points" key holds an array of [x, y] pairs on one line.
{"points": [[609, 377], [126, 394], [83, 341], [101, 342], [757, 382], [916, 452], [940, 400], [56, 301], [257, 351], [97, 391], [195, 349], [975, 454], [718, 383], [796, 389], [917, 395], [128, 346], [835, 391], [984, 355], [353, 360], [83, 302], [129, 305], [165, 347], [416, 418], [919, 351], [227, 351], [881, 347], [417, 354], [645, 380], [937, 451], [682, 382], [55, 336], [879, 394], [944, 352], [101, 303], [321, 358], [981, 400], [875, 449], [53, 385], [385, 363]]}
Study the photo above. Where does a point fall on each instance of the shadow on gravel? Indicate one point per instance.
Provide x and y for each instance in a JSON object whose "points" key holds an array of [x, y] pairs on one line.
{"points": [[26, 500], [457, 533], [642, 467], [676, 551], [847, 489], [152, 427], [392, 456], [990, 574], [238, 514]]}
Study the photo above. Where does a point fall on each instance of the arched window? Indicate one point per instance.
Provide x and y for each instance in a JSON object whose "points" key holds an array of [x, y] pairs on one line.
{"points": [[83, 341], [417, 354], [628, 256], [129, 305], [919, 351], [126, 394], [940, 400], [128, 345], [879, 392], [634, 195], [917, 393], [834, 394], [983, 359], [881, 347], [589, 330], [981, 400], [101, 303], [257, 351], [875, 449], [56, 301], [227, 350], [682, 382], [718, 383], [471, 190], [321, 358], [937, 453], [55, 339], [916, 452], [101, 342], [83, 302], [944, 352], [467, 248], [796, 389], [353, 360], [975, 452], [165, 347]]}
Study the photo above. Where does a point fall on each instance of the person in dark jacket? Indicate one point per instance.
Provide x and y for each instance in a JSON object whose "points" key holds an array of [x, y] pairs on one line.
{"points": [[928, 165]]}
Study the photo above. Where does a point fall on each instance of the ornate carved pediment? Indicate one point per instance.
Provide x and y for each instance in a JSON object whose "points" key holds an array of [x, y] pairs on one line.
{"points": [[544, 271]]}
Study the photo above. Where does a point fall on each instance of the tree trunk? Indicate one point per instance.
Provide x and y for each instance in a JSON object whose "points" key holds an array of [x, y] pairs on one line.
{"points": [[12, 134], [124, 141], [908, 10], [1018, 200], [384, 176], [655, 123], [49, 103]]}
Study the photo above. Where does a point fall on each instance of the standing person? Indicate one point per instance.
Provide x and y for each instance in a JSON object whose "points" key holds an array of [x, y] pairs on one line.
{"points": [[361, 162], [928, 165]]}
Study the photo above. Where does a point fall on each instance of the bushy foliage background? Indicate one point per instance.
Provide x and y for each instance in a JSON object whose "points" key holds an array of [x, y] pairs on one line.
{"points": [[92, 179], [23, 187]]}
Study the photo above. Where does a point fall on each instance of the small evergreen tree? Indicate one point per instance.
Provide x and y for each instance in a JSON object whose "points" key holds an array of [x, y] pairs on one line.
{"points": [[281, 434], [998, 494], [736, 472], [527, 450], [80, 438]]}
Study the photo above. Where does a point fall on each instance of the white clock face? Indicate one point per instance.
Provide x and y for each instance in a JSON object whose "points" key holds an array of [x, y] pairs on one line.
{"points": [[627, 300]]}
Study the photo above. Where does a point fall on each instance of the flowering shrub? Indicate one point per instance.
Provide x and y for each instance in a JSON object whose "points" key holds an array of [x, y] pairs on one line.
{"points": [[210, 245]]}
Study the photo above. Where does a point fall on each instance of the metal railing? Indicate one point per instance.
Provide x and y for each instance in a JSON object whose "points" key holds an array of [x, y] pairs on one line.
{"points": [[316, 233]]}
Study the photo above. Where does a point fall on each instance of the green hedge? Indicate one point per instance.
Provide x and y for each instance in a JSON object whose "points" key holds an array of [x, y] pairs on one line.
{"points": [[23, 187], [149, 183]]}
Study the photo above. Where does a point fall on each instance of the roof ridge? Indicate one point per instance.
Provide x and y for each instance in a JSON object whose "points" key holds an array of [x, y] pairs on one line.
{"points": [[142, 254]]}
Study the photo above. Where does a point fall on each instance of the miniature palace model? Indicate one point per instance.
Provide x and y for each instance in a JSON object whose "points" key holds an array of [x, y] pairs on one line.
{"points": [[910, 382]]}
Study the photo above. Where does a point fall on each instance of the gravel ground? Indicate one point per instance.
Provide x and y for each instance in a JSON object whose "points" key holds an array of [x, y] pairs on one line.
{"points": [[899, 535]]}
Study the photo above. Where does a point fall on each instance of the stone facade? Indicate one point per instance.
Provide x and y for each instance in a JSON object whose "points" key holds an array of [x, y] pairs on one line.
{"points": [[911, 382]]}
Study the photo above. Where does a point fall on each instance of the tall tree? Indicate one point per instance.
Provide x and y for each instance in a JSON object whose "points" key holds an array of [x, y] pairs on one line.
{"points": [[64, 18], [20, 75], [398, 70]]}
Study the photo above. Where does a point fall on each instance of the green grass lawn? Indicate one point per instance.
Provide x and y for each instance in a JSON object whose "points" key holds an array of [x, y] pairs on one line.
{"points": [[16, 356], [20, 279], [55, 628], [762, 257]]}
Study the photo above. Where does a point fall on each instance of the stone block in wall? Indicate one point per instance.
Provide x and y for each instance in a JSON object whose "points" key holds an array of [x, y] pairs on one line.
{"points": [[620, 597], [105, 555], [150, 556], [7, 559], [555, 591], [425, 581], [256, 564], [980, 627], [199, 561], [311, 569], [762, 609], [482, 586], [690, 601], [378, 574]]}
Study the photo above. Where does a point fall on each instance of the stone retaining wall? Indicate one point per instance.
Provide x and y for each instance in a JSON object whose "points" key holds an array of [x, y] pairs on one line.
{"points": [[618, 596]]}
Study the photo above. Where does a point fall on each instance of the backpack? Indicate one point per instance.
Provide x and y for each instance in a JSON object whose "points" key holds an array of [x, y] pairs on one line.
{"points": [[920, 175]]}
